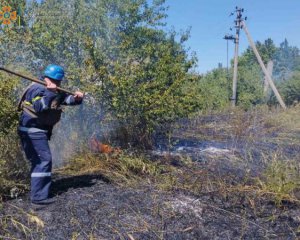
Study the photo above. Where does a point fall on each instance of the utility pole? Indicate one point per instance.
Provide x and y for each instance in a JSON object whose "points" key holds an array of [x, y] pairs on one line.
{"points": [[238, 25], [267, 75]]}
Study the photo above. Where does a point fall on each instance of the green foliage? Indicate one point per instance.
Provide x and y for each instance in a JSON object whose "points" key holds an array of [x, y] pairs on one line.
{"points": [[12, 163], [134, 73], [287, 60], [215, 87], [213, 90], [150, 87], [250, 86], [266, 51], [8, 114], [290, 89]]}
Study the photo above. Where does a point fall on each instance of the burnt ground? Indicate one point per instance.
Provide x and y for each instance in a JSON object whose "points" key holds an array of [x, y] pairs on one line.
{"points": [[217, 195], [91, 207]]}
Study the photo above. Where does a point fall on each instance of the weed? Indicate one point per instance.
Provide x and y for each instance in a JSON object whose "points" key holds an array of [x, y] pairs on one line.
{"points": [[281, 178]]}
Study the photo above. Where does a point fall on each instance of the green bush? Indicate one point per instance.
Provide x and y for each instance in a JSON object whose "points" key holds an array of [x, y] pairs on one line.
{"points": [[290, 89], [146, 94], [250, 86], [213, 90], [12, 163]]}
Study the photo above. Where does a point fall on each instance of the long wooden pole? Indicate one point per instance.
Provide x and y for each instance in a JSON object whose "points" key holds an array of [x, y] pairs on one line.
{"points": [[33, 79], [281, 102]]}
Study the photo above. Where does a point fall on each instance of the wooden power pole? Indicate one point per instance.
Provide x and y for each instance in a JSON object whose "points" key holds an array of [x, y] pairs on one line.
{"points": [[238, 25], [267, 75]]}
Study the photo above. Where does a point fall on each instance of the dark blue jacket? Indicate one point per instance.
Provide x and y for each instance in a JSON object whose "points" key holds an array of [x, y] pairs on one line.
{"points": [[41, 99]]}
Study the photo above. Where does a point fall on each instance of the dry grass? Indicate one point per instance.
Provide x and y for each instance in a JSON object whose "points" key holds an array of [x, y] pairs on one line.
{"points": [[270, 139], [287, 126], [278, 178], [288, 119], [120, 168], [16, 220]]}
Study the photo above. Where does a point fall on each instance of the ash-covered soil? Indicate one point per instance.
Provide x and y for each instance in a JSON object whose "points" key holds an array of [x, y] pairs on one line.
{"points": [[90, 207]]}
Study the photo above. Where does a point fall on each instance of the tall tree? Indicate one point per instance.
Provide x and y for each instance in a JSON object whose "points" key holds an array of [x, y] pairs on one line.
{"points": [[266, 51], [287, 60]]}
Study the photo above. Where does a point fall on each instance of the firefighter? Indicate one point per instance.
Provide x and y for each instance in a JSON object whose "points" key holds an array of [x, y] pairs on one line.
{"points": [[41, 110]]}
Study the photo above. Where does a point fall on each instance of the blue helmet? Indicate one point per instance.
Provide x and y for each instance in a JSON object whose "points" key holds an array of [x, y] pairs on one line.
{"points": [[54, 72]]}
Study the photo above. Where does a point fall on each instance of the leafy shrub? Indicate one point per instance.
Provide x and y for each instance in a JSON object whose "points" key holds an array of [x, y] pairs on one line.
{"points": [[290, 89], [12, 164], [250, 86], [213, 90]]}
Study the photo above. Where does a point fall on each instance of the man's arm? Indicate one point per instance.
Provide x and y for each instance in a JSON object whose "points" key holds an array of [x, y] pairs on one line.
{"points": [[75, 99]]}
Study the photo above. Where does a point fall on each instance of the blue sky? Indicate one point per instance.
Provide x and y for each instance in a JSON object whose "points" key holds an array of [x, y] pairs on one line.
{"points": [[209, 21]]}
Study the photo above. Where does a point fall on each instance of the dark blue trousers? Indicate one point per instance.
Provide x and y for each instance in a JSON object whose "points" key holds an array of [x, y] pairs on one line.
{"points": [[36, 148]]}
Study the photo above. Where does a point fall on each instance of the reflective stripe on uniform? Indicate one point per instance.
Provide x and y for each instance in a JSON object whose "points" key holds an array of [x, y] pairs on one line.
{"points": [[32, 130], [36, 98], [44, 106], [41, 174], [68, 100], [32, 101]]}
